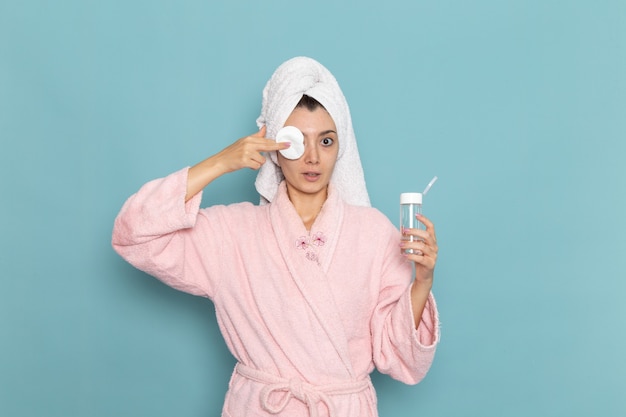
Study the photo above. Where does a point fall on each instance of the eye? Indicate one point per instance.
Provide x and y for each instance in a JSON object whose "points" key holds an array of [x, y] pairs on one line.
{"points": [[327, 141]]}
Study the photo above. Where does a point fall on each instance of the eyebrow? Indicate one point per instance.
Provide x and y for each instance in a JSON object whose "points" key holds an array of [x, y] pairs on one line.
{"points": [[326, 132]]}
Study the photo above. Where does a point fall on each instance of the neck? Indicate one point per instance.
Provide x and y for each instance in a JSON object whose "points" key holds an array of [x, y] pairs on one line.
{"points": [[308, 206]]}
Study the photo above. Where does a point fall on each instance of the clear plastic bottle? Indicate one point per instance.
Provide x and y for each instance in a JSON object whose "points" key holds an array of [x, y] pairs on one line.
{"points": [[410, 206]]}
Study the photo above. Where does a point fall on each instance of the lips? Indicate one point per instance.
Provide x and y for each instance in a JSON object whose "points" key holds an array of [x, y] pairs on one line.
{"points": [[312, 176]]}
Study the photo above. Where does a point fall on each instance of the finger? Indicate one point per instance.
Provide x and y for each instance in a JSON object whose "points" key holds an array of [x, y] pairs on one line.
{"points": [[257, 143], [256, 160], [421, 248], [271, 145], [255, 166], [424, 261], [420, 234], [426, 222], [407, 252], [261, 132], [255, 163], [428, 250]]}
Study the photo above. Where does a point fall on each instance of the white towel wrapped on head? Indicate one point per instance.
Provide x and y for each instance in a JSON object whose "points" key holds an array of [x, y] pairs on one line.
{"points": [[304, 76]]}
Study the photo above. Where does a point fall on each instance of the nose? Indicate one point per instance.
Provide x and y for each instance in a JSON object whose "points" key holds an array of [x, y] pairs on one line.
{"points": [[311, 153]]}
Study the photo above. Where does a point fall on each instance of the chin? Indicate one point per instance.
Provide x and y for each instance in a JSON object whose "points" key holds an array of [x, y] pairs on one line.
{"points": [[308, 188]]}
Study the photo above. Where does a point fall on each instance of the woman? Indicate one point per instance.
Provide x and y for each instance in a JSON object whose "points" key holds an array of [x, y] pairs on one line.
{"points": [[312, 288]]}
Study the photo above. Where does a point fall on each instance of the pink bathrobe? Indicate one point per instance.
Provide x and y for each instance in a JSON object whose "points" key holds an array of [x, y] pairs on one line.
{"points": [[307, 314]]}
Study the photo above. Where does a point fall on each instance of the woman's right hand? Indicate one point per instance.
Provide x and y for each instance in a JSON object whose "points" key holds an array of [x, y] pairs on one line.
{"points": [[246, 152]]}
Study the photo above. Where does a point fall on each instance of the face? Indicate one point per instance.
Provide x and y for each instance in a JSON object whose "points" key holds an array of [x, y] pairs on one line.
{"points": [[310, 174]]}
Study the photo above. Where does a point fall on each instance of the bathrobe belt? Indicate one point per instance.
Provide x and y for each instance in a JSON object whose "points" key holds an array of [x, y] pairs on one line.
{"points": [[308, 394]]}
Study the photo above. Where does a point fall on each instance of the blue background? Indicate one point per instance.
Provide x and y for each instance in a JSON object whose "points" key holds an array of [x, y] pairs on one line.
{"points": [[518, 106]]}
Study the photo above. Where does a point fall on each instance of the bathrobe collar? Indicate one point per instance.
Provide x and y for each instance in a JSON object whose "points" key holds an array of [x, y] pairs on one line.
{"points": [[308, 256]]}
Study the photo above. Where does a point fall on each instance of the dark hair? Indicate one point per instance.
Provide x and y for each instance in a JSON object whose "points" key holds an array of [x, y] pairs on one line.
{"points": [[310, 103]]}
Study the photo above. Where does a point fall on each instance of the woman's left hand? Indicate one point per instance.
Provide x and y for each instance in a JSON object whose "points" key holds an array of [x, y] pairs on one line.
{"points": [[424, 248]]}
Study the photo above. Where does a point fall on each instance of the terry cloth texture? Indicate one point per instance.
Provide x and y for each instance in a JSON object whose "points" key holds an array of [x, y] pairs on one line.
{"points": [[304, 76]]}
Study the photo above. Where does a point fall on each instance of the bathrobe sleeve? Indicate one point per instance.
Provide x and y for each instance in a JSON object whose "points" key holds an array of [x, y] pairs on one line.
{"points": [[400, 350], [158, 233]]}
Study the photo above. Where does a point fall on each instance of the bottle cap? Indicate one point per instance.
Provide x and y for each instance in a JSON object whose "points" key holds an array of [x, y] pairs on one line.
{"points": [[294, 135], [411, 198]]}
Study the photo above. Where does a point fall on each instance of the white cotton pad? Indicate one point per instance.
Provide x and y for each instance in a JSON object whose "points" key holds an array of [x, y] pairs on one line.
{"points": [[291, 134]]}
